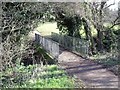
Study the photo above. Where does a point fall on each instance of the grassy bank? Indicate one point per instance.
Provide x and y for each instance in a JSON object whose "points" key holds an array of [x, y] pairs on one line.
{"points": [[27, 77], [36, 75]]}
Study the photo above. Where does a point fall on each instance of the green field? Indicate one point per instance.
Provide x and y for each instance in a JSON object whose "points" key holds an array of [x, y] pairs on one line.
{"points": [[46, 28]]}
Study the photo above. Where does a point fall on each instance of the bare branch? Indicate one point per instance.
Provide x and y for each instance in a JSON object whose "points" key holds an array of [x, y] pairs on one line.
{"points": [[114, 25], [114, 22], [109, 5]]}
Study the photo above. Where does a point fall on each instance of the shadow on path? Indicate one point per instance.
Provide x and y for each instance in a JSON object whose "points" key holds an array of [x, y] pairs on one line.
{"points": [[92, 74]]}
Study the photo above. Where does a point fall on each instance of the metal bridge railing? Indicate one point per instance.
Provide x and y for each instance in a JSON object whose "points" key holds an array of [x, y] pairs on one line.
{"points": [[76, 45], [49, 45]]}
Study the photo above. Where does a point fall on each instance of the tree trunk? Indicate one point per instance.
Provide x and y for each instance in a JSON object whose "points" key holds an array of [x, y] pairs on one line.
{"points": [[89, 36], [100, 28], [99, 40]]}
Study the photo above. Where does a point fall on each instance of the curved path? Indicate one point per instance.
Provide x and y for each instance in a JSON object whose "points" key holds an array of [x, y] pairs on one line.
{"points": [[92, 74]]}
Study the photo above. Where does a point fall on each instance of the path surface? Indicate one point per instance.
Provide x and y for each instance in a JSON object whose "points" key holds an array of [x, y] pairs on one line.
{"points": [[92, 74]]}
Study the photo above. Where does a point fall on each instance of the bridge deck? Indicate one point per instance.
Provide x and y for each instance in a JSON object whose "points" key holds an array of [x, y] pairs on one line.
{"points": [[92, 74]]}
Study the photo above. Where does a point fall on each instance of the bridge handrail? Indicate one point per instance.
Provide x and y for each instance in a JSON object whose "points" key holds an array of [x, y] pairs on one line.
{"points": [[76, 45], [49, 45]]}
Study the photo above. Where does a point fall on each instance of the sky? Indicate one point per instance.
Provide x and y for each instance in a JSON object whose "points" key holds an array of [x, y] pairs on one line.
{"points": [[113, 6]]}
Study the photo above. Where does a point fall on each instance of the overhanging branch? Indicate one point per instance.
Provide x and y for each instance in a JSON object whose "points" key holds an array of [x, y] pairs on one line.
{"points": [[114, 25], [109, 5]]}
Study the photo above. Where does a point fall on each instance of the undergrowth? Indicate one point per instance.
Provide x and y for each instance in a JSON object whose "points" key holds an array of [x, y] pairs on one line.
{"points": [[33, 76]]}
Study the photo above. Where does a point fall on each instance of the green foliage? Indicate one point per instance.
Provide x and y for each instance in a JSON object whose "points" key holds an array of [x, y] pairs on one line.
{"points": [[69, 24], [20, 16], [61, 82], [50, 77], [16, 76], [18, 20], [108, 59]]}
